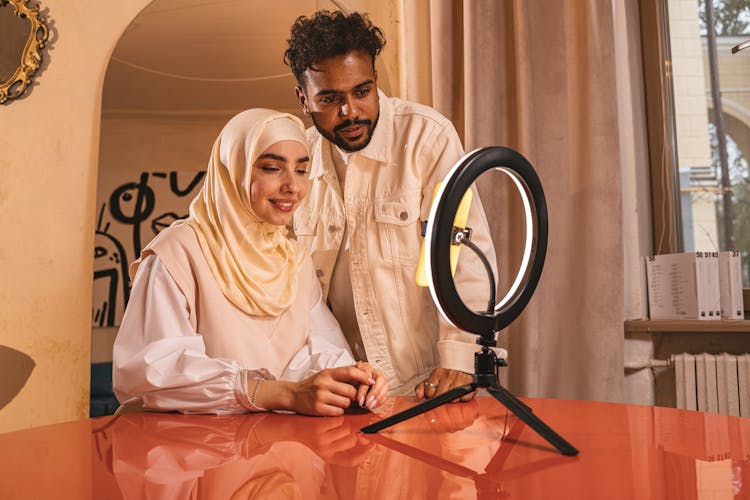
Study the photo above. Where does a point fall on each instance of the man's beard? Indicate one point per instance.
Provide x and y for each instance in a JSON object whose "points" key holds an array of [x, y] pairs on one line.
{"points": [[342, 142]]}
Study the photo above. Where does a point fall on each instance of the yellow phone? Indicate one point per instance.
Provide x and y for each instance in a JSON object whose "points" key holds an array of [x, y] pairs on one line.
{"points": [[462, 215]]}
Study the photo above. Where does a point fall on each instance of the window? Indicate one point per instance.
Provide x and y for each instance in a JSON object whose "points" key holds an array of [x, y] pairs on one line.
{"points": [[700, 178]]}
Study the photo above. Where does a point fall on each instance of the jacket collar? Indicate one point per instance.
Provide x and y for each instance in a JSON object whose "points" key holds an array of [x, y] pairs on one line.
{"points": [[379, 149]]}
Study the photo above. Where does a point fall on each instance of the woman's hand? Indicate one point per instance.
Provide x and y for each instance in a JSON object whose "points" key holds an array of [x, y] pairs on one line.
{"points": [[335, 439], [330, 391], [372, 395]]}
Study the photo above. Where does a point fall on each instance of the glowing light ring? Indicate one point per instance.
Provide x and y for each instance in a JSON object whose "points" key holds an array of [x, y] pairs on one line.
{"points": [[439, 231], [527, 248]]}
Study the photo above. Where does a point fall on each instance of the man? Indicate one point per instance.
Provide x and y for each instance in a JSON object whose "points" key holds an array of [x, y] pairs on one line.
{"points": [[376, 161]]}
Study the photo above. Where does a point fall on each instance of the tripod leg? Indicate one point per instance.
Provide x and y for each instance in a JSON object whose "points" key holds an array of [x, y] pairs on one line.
{"points": [[420, 408], [523, 412]]}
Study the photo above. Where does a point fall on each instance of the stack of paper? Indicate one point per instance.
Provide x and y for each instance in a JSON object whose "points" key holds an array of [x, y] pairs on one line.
{"points": [[684, 286], [730, 280]]}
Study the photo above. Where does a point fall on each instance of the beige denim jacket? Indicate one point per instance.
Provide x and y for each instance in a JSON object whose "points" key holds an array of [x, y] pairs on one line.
{"points": [[388, 193]]}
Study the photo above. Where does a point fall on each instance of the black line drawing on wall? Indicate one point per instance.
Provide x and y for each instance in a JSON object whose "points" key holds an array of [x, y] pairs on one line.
{"points": [[127, 209], [132, 203], [110, 274]]}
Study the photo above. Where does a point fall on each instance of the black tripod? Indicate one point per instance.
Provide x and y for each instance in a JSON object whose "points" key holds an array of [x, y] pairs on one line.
{"points": [[440, 234], [485, 363]]}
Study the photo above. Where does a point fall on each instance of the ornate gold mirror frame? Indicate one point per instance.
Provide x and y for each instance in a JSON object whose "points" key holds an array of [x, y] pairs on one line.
{"points": [[30, 56]]}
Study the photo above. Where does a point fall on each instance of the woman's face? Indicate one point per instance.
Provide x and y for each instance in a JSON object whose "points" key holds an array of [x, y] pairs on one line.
{"points": [[278, 182]]}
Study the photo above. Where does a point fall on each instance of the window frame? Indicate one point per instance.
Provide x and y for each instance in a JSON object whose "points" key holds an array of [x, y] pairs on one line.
{"points": [[661, 129]]}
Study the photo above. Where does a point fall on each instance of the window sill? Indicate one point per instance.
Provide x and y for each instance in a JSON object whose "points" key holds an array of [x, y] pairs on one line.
{"points": [[686, 326]]}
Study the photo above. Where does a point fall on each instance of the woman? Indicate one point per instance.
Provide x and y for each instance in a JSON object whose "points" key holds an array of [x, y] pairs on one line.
{"points": [[225, 314]]}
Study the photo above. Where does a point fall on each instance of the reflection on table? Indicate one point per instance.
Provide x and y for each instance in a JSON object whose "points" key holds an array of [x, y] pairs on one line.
{"points": [[468, 450]]}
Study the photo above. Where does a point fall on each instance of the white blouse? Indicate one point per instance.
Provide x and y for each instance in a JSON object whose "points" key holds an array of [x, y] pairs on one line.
{"points": [[160, 361]]}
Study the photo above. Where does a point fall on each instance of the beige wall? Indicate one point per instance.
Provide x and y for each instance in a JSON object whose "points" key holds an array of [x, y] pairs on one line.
{"points": [[134, 144], [48, 160]]}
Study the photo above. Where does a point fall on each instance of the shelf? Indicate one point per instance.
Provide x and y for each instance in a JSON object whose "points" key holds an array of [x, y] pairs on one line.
{"points": [[686, 326]]}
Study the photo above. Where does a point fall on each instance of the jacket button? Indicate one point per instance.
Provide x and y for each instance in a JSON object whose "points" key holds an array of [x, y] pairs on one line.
{"points": [[332, 228], [404, 215], [318, 273]]}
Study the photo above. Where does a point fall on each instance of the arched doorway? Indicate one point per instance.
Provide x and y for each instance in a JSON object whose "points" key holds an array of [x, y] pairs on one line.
{"points": [[181, 69]]}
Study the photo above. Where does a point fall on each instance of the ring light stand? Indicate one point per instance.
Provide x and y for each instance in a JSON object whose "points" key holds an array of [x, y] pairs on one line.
{"points": [[440, 235]]}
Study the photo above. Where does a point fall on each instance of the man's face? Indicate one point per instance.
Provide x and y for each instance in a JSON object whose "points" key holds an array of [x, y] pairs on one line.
{"points": [[341, 97]]}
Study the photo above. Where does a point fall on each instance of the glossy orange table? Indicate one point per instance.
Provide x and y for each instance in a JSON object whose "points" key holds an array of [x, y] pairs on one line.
{"points": [[468, 450]]}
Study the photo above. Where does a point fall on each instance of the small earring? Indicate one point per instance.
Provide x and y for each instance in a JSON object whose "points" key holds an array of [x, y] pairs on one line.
{"points": [[306, 111]]}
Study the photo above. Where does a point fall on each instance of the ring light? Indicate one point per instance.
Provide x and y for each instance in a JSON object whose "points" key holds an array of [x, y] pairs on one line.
{"points": [[439, 238], [440, 234]]}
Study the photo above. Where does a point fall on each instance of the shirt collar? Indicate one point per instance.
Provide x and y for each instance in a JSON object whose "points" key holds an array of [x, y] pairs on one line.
{"points": [[318, 167], [379, 149]]}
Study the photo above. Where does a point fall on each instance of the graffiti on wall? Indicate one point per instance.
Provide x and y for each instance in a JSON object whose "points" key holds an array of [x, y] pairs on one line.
{"points": [[132, 210]]}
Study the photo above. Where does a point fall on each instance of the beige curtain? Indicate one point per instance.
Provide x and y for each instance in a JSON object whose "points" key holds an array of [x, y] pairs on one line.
{"points": [[539, 77]]}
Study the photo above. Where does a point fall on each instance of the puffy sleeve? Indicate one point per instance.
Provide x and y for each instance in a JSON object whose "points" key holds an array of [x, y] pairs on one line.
{"points": [[326, 346], [160, 361]]}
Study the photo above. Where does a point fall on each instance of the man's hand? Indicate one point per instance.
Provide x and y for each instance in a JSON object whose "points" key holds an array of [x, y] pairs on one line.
{"points": [[442, 380], [451, 418]]}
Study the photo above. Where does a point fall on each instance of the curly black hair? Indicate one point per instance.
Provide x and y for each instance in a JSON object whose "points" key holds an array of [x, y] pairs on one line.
{"points": [[329, 34]]}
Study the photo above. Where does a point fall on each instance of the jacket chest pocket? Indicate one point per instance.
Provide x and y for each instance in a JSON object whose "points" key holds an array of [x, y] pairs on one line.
{"points": [[397, 219], [318, 232], [304, 225]]}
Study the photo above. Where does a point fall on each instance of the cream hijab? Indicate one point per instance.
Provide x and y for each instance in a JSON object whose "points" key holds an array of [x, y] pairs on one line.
{"points": [[253, 262]]}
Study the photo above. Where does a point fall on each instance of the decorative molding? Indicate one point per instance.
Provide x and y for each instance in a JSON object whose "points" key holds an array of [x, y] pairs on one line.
{"points": [[185, 113], [165, 74]]}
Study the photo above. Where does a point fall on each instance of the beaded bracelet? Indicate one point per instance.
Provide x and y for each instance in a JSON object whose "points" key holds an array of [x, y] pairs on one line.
{"points": [[254, 400]]}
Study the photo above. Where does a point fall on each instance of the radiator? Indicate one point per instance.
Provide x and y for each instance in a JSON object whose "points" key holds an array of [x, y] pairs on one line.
{"points": [[715, 383]]}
